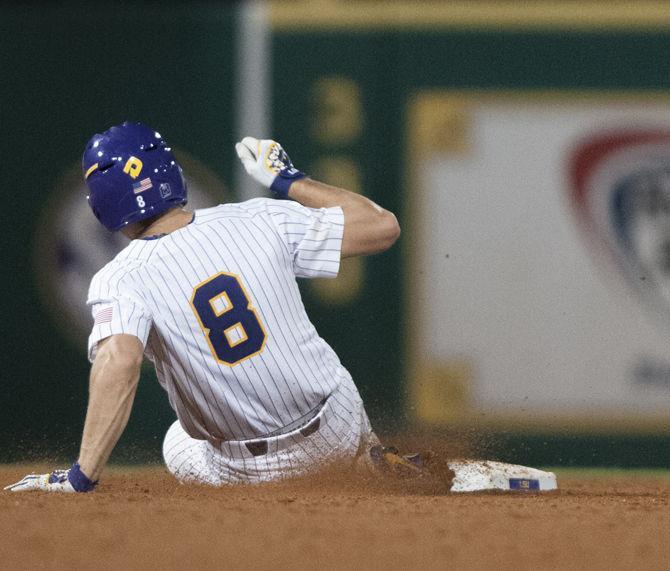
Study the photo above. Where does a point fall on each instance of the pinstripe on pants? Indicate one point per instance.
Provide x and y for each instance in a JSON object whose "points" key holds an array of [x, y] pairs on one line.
{"points": [[344, 431]]}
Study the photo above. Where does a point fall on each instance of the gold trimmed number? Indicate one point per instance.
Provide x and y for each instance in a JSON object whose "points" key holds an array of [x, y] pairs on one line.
{"points": [[231, 325]]}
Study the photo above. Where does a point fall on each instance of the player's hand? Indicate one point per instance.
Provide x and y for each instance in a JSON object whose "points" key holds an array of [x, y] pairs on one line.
{"points": [[55, 482], [69, 481], [268, 163]]}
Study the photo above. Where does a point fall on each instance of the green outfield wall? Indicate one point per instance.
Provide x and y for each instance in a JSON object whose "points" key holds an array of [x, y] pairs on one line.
{"points": [[345, 85], [342, 83], [70, 70]]}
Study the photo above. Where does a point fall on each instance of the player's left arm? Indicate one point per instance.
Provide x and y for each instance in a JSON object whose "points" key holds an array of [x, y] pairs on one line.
{"points": [[114, 377]]}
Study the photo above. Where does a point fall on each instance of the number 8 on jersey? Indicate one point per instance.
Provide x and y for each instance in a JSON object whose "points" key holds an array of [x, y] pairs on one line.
{"points": [[232, 327]]}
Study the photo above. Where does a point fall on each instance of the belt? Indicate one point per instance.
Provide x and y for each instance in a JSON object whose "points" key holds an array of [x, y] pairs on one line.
{"points": [[259, 447]]}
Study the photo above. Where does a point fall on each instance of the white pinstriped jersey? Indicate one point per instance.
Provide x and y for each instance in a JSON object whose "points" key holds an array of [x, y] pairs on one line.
{"points": [[217, 307]]}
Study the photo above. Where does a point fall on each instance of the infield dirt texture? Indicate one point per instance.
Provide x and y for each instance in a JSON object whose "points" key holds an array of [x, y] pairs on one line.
{"points": [[140, 518]]}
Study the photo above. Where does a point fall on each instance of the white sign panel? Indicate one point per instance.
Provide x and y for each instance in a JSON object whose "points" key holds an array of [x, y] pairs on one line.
{"points": [[544, 259]]}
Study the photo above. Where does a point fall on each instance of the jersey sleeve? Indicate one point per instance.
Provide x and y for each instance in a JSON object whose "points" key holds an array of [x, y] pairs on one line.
{"points": [[116, 309], [313, 237]]}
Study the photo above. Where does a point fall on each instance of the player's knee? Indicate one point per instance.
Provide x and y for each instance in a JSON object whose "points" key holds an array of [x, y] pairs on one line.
{"points": [[173, 443], [185, 458]]}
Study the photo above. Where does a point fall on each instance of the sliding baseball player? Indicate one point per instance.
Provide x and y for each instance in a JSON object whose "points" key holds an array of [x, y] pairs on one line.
{"points": [[211, 298]]}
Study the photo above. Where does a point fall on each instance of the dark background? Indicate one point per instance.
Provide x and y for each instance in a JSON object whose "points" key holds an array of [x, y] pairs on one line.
{"points": [[70, 70]]}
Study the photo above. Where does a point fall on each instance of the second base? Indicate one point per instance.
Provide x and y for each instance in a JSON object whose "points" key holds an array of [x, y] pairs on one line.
{"points": [[481, 475]]}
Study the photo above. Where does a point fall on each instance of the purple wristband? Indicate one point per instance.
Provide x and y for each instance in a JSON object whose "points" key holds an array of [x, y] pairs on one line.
{"points": [[80, 481], [284, 180]]}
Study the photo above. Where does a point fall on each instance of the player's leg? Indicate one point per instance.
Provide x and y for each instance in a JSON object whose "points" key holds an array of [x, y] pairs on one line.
{"points": [[339, 432], [344, 435], [348, 404], [186, 458]]}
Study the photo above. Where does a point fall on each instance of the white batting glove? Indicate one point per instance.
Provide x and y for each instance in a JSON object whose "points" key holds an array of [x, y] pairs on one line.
{"points": [[69, 481], [267, 162], [55, 482]]}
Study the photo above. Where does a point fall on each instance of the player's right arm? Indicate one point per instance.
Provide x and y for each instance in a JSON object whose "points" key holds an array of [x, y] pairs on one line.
{"points": [[114, 377], [116, 346], [368, 228], [121, 325]]}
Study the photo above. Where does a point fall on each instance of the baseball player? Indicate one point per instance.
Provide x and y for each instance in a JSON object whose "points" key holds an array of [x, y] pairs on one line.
{"points": [[211, 298]]}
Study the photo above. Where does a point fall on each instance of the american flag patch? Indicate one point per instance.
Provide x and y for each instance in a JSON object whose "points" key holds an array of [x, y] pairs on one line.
{"points": [[104, 316], [144, 184]]}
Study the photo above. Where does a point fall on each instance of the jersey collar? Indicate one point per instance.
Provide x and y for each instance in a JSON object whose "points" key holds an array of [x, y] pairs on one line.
{"points": [[157, 236]]}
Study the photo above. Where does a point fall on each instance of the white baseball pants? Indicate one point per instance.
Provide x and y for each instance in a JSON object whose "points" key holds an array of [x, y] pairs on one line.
{"points": [[339, 431]]}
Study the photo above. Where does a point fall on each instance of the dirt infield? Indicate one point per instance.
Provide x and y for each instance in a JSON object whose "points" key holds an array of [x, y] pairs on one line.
{"points": [[141, 518]]}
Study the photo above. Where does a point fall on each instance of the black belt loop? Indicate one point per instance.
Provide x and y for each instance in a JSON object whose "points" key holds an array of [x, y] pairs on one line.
{"points": [[257, 447], [311, 428]]}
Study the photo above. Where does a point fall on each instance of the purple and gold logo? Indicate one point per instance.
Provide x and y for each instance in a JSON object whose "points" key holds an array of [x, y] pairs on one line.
{"points": [[72, 245]]}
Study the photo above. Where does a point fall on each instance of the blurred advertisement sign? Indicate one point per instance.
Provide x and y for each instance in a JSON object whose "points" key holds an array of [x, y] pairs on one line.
{"points": [[541, 272], [621, 193]]}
